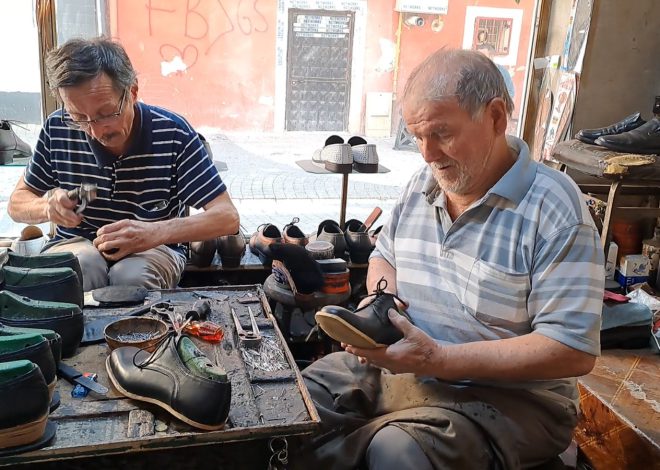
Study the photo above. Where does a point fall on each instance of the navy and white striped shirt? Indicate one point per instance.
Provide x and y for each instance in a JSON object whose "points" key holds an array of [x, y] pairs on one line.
{"points": [[166, 169], [526, 257]]}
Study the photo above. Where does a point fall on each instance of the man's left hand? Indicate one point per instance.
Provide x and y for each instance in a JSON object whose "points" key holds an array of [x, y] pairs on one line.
{"points": [[120, 239], [416, 353]]}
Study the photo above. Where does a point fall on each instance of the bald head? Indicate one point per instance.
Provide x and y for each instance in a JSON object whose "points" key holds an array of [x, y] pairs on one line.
{"points": [[469, 76]]}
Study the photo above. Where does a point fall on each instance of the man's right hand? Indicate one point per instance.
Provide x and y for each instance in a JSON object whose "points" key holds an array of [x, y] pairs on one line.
{"points": [[60, 209]]}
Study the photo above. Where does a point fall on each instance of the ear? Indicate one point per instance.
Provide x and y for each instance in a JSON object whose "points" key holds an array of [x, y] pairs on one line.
{"points": [[496, 109], [134, 91]]}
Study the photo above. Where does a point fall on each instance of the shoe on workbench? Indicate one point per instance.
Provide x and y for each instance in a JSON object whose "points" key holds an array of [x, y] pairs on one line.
{"points": [[162, 378], [49, 284], [32, 347], [54, 339], [65, 259], [24, 425], [64, 318], [367, 327]]}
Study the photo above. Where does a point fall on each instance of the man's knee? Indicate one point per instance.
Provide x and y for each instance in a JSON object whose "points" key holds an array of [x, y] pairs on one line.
{"points": [[392, 447], [93, 265]]}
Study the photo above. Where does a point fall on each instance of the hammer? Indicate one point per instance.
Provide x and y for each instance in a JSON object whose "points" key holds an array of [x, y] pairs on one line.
{"points": [[85, 194]]}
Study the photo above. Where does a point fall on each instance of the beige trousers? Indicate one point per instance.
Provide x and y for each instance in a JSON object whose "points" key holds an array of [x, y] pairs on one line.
{"points": [[157, 268]]}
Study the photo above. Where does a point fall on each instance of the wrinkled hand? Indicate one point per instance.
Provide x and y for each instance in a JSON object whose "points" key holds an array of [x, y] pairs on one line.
{"points": [[415, 353], [60, 209], [120, 239]]}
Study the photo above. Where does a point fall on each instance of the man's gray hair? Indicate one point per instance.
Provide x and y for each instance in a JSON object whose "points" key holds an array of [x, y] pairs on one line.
{"points": [[469, 76], [79, 60]]}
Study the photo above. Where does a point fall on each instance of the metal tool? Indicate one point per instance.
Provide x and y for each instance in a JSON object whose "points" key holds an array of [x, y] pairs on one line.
{"points": [[84, 194], [75, 377], [250, 339], [167, 311], [200, 311]]}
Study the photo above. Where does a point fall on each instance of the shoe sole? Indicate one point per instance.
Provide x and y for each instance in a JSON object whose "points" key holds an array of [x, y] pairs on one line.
{"points": [[343, 332], [366, 167], [23, 434], [205, 427], [624, 149], [339, 167]]}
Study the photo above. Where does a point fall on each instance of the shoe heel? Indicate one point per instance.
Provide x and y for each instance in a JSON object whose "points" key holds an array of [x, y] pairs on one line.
{"points": [[6, 157], [366, 167], [230, 262], [23, 434], [339, 167]]}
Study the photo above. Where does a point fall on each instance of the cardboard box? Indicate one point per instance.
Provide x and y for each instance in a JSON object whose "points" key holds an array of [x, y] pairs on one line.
{"points": [[626, 281]]}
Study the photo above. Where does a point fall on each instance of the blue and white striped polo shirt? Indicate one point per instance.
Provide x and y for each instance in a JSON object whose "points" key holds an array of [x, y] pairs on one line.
{"points": [[166, 169], [525, 257]]}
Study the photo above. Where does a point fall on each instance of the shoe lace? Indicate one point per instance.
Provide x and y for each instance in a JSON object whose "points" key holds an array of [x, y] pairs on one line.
{"points": [[293, 222], [381, 285], [159, 349]]}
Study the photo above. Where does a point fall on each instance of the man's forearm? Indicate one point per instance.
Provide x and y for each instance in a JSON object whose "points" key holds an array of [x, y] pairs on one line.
{"points": [[27, 207], [379, 268], [202, 226], [529, 357]]}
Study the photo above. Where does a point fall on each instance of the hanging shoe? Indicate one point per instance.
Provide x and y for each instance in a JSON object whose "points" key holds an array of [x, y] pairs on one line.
{"points": [[643, 140], [64, 318], [163, 379], [231, 249], [293, 235], [11, 146], [49, 284], [24, 425], [367, 327], [589, 136]]}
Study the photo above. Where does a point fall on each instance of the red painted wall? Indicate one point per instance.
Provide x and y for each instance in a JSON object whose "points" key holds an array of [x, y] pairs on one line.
{"points": [[228, 46], [229, 49]]}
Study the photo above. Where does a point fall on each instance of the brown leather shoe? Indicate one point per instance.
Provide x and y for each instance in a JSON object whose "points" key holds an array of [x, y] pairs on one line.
{"points": [[260, 242], [231, 249], [202, 253], [293, 235]]}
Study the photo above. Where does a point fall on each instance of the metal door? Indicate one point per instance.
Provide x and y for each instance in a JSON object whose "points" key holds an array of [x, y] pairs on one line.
{"points": [[318, 70]]}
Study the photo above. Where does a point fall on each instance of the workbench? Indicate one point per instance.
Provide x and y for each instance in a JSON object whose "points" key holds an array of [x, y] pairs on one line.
{"points": [[265, 405]]}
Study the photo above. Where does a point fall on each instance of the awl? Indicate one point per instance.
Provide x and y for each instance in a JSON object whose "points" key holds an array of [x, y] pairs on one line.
{"points": [[75, 377]]}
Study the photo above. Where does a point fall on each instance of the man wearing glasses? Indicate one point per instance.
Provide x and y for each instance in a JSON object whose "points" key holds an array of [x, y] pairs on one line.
{"points": [[148, 165]]}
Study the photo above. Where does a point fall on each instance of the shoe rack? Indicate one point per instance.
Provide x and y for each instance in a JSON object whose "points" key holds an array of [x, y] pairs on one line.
{"points": [[310, 167]]}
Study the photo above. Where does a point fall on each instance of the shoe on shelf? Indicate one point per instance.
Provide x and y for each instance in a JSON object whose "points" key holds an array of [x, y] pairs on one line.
{"points": [[367, 327], [54, 339], [49, 284], [365, 156], [32, 347], [63, 318], [231, 249], [202, 252], [260, 242], [64, 259], [589, 136], [335, 156], [330, 231], [643, 140], [358, 242], [24, 425], [293, 235], [162, 378], [11, 145]]}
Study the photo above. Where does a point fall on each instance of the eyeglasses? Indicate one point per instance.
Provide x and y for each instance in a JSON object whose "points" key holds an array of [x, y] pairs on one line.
{"points": [[85, 123]]}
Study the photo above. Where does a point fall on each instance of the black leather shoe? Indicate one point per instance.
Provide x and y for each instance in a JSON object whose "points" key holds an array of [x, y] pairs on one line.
{"points": [[367, 327], [32, 347], [162, 379], [63, 318], [330, 231], [24, 410], [65, 259], [260, 242], [49, 284], [202, 253], [358, 242], [643, 140], [11, 145], [231, 249], [588, 136]]}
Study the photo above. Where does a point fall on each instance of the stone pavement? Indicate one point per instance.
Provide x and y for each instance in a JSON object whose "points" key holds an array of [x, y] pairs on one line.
{"points": [[267, 185]]}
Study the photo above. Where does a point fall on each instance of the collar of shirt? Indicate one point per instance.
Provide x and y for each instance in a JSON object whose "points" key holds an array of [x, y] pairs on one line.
{"points": [[141, 144], [513, 185]]}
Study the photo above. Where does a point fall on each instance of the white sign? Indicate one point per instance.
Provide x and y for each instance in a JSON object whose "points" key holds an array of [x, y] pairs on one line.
{"points": [[433, 7]]}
